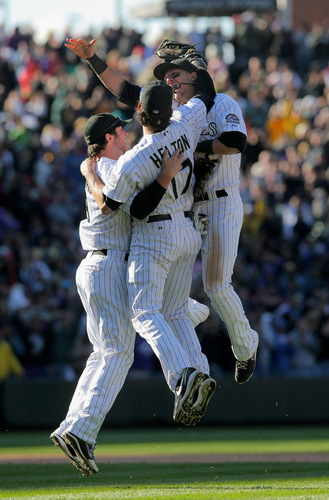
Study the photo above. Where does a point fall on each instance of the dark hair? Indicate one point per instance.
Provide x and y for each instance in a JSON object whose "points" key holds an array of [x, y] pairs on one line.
{"points": [[157, 125], [100, 145]]}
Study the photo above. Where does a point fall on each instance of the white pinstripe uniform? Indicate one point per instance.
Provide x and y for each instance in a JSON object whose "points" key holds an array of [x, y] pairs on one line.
{"points": [[162, 254], [101, 283], [220, 244]]}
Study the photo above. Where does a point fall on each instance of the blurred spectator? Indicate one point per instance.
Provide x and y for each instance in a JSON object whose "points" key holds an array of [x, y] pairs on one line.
{"points": [[323, 351], [305, 345], [9, 364], [282, 348], [63, 334]]}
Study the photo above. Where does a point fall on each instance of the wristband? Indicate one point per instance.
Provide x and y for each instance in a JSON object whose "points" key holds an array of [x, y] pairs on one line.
{"points": [[205, 147], [96, 64]]}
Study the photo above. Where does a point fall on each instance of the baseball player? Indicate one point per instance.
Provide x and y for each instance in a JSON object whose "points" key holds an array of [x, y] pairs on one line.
{"points": [[225, 137], [101, 283]]}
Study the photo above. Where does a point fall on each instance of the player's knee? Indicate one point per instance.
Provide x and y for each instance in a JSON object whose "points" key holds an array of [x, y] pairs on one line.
{"points": [[217, 290]]}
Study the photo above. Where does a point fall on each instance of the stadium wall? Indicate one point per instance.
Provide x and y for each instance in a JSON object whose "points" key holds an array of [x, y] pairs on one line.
{"points": [[43, 403]]}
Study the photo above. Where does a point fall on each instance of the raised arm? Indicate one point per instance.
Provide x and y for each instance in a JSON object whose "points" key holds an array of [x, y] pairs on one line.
{"points": [[111, 79]]}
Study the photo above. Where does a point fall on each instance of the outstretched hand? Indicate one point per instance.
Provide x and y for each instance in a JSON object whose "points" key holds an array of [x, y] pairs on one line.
{"points": [[81, 47]]}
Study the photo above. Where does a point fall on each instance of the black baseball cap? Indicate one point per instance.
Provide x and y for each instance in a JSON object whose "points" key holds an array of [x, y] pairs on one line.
{"points": [[161, 69], [98, 125], [157, 99]]}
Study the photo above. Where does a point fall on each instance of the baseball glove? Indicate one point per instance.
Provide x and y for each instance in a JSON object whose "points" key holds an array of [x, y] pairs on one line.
{"points": [[203, 168], [169, 50]]}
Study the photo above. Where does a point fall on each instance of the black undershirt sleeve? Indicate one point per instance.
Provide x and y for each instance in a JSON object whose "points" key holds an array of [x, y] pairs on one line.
{"points": [[236, 140], [112, 204], [206, 98], [130, 94], [205, 147], [147, 200]]}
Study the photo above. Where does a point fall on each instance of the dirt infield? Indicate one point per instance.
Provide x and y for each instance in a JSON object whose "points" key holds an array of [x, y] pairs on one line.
{"points": [[211, 458]]}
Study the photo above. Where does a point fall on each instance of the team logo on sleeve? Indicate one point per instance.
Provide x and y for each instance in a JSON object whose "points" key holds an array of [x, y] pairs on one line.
{"points": [[232, 118]]}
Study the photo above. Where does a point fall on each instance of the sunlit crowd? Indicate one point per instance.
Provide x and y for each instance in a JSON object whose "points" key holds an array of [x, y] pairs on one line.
{"points": [[280, 79]]}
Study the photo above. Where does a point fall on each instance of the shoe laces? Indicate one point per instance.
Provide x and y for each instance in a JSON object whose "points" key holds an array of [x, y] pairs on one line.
{"points": [[243, 365], [91, 448]]}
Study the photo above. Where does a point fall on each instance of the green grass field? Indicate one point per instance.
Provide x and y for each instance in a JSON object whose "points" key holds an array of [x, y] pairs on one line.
{"points": [[261, 478]]}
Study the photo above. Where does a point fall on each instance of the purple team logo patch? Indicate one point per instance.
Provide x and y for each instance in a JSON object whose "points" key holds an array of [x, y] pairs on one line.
{"points": [[231, 118]]}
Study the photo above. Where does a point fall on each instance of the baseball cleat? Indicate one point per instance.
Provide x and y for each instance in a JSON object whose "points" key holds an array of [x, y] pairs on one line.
{"points": [[84, 452], [185, 394], [205, 392], [245, 369], [201, 398], [69, 452], [189, 421]]}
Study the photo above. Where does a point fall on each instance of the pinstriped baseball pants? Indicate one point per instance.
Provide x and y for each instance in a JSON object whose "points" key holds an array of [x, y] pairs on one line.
{"points": [[101, 283], [162, 256], [218, 253]]}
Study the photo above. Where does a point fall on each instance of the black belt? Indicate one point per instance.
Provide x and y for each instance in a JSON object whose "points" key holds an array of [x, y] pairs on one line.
{"points": [[158, 218], [205, 197], [104, 252]]}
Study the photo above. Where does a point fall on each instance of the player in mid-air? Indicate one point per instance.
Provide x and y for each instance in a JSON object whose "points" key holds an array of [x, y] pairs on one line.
{"points": [[101, 283], [225, 137]]}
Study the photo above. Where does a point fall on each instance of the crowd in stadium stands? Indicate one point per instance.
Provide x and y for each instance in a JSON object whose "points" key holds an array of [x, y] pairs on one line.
{"points": [[280, 78]]}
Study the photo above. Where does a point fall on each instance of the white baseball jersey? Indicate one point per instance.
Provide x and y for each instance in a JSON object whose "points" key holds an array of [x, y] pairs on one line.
{"points": [[224, 116], [111, 231], [102, 286], [141, 165], [162, 253]]}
